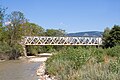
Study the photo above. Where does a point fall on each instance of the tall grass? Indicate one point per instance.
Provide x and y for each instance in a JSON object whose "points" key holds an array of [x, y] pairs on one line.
{"points": [[85, 64]]}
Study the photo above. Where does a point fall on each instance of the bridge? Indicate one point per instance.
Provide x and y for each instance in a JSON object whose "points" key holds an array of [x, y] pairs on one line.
{"points": [[43, 40], [47, 40]]}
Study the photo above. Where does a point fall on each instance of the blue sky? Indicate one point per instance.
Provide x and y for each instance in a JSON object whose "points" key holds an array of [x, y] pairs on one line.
{"points": [[69, 15]]}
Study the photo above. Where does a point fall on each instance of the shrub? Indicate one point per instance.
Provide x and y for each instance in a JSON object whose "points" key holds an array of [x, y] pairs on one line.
{"points": [[114, 51], [115, 66], [15, 52], [99, 54], [66, 60], [8, 52], [5, 49], [83, 64], [97, 71]]}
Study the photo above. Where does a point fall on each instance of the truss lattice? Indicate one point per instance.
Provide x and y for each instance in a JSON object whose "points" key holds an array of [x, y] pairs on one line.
{"points": [[29, 40]]}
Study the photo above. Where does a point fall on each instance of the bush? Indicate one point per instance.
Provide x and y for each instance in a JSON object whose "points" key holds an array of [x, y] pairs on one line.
{"points": [[114, 51], [5, 49], [83, 64], [15, 52], [97, 71], [115, 66], [8, 52], [66, 60], [99, 54]]}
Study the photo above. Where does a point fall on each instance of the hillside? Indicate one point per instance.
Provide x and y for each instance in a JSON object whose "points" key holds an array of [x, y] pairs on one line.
{"points": [[88, 33]]}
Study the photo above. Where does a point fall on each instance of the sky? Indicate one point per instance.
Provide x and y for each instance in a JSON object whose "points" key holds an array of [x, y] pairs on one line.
{"points": [[69, 15]]}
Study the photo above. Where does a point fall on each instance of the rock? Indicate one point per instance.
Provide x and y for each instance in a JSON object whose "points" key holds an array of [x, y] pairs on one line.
{"points": [[41, 70], [2, 60], [38, 59], [45, 54]]}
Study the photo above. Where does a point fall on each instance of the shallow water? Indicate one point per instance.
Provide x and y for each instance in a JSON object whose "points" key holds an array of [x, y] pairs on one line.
{"points": [[18, 70]]}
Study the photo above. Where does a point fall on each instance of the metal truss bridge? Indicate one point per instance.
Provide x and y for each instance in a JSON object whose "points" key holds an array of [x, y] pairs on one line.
{"points": [[45, 40]]}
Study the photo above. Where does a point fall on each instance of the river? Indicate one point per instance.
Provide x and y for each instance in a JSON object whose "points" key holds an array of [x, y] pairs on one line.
{"points": [[18, 70]]}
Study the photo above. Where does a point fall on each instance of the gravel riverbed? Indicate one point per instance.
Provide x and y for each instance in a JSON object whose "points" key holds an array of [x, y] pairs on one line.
{"points": [[41, 69]]}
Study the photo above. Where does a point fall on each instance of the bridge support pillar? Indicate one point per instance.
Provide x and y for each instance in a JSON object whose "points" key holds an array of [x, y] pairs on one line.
{"points": [[24, 50], [23, 46]]}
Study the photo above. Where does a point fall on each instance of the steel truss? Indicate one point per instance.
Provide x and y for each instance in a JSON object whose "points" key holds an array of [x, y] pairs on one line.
{"points": [[44, 40]]}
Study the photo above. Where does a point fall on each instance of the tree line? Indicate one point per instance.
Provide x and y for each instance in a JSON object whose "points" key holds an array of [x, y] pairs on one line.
{"points": [[15, 25]]}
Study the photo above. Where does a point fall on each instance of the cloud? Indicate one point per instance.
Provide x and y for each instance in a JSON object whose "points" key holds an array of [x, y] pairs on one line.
{"points": [[7, 23], [62, 24]]}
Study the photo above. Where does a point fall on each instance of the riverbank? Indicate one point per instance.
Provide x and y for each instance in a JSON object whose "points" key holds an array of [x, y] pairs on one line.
{"points": [[40, 72], [88, 63]]}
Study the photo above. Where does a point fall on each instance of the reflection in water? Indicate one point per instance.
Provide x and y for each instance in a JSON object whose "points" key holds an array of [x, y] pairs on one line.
{"points": [[18, 70]]}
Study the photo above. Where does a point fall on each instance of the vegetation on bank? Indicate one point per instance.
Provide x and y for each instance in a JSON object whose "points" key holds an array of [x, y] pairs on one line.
{"points": [[85, 64]]}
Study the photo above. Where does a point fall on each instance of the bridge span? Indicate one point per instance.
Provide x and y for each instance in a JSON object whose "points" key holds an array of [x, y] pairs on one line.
{"points": [[45, 40]]}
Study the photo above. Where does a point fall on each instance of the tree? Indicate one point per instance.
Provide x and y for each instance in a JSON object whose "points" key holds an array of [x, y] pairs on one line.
{"points": [[106, 37], [13, 32], [32, 29], [54, 32], [111, 37], [2, 15], [115, 35], [16, 19]]}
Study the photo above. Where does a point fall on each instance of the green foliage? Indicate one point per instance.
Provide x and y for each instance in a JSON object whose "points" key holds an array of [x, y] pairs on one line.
{"points": [[11, 34], [97, 71], [106, 37], [8, 52], [2, 15], [32, 29], [115, 35], [4, 48], [82, 63], [99, 54], [111, 37], [16, 18], [54, 32], [74, 58], [115, 66], [114, 51], [33, 50], [15, 28], [15, 52]]}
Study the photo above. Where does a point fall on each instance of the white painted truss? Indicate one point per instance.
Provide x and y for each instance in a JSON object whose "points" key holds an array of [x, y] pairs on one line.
{"points": [[44, 40]]}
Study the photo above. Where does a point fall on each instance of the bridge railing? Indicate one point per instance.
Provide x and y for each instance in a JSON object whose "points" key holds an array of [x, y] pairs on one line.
{"points": [[46, 40]]}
